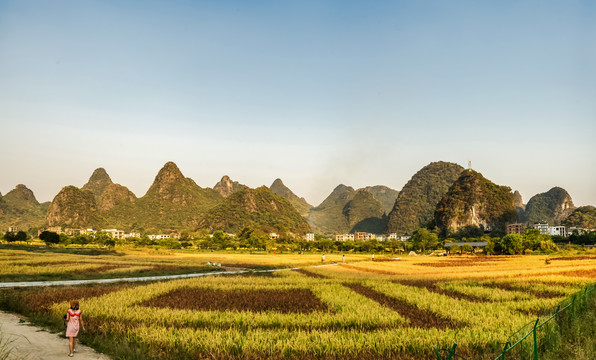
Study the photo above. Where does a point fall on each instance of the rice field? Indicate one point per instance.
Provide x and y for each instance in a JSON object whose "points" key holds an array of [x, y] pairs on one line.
{"points": [[397, 308]]}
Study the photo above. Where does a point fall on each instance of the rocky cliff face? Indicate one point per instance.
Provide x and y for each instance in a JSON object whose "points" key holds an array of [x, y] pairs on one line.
{"points": [[255, 208], [553, 206], [98, 182], [475, 201], [73, 207], [520, 207], [301, 205], [416, 202], [226, 187]]}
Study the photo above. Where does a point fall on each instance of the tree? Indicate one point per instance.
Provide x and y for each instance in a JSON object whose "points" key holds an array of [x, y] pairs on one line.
{"points": [[512, 244], [10, 236], [467, 248], [49, 237], [21, 236], [425, 239]]}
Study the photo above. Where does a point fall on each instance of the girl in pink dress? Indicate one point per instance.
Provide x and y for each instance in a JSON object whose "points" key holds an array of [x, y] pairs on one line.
{"points": [[73, 317]]}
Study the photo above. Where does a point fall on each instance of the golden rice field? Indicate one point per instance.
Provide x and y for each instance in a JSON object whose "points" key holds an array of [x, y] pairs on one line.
{"points": [[386, 309]]}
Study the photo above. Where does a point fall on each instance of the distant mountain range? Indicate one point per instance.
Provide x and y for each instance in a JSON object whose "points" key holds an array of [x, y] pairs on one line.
{"points": [[440, 194]]}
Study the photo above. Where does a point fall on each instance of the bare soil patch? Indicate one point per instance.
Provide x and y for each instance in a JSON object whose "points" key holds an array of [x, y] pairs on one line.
{"points": [[44, 299], [284, 301], [310, 274], [418, 317], [541, 294], [571, 258], [480, 261], [431, 286]]}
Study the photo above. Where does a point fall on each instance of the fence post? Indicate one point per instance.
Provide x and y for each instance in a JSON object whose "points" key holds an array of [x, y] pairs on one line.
{"points": [[535, 340], [449, 356], [505, 350], [452, 352], [437, 353]]}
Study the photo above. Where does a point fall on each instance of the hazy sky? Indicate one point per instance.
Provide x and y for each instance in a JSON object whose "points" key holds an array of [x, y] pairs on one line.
{"points": [[314, 92]]}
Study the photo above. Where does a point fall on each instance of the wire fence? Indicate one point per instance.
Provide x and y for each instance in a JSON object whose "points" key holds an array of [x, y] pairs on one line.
{"points": [[537, 336]]}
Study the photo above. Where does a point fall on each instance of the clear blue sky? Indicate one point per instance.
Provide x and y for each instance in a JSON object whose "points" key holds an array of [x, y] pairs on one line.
{"points": [[314, 92]]}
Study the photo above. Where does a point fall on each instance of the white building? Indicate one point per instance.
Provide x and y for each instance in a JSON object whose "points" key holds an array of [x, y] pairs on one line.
{"points": [[557, 230], [12, 229], [159, 237], [273, 236], [543, 227], [114, 233], [309, 237], [392, 236], [344, 237]]}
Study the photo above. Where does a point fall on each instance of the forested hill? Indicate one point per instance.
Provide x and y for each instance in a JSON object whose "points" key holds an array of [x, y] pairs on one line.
{"points": [[416, 202], [476, 201]]}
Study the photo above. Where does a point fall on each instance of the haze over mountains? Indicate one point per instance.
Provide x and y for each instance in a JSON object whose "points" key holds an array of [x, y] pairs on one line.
{"points": [[440, 194]]}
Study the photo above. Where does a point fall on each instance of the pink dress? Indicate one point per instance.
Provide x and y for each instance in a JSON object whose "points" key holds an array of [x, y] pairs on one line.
{"points": [[72, 328]]}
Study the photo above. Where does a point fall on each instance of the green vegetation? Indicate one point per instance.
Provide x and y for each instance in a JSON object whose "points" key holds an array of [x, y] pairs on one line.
{"points": [[348, 210], [474, 200], [364, 213], [257, 208], [299, 203], [385, 195], [73, 207], [329, 217], [20, 208], [552, 206], [416, 202], [578, 340], [582, 217]]}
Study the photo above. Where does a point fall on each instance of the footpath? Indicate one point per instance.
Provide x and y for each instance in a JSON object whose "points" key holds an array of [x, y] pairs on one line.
{"points": [[28, 342]]}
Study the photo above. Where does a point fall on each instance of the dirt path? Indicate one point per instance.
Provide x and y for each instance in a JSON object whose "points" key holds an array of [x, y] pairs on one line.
{"points": [[32, 343]]}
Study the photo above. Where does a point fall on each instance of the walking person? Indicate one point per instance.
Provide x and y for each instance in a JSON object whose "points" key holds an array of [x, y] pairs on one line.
{"points": [[74, 317], [323, 258], [343, 258]]}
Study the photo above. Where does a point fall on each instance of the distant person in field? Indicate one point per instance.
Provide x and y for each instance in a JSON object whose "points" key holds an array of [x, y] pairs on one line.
{"points": [[74, 317]]}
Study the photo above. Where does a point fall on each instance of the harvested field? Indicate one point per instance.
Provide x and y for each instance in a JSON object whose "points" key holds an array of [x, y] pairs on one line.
{"points": [[310, 274], [284, 301], [417, 317], [432, 287], [360, 310], [463, 262], [44, 299], [573, 258], [541, 294]]}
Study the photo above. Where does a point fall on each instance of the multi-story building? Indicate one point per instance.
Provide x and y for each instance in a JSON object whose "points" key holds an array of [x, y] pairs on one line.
{"points": [[557, 230], [360, 236], [273, 235], [542, 226], [516, 229], [344, 237], [309, 237], [392, 236], [114, 233], [159, 237], [12, 229]]}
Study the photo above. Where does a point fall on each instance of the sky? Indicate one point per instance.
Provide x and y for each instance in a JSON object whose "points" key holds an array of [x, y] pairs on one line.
{"points": [[316, 93]]}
